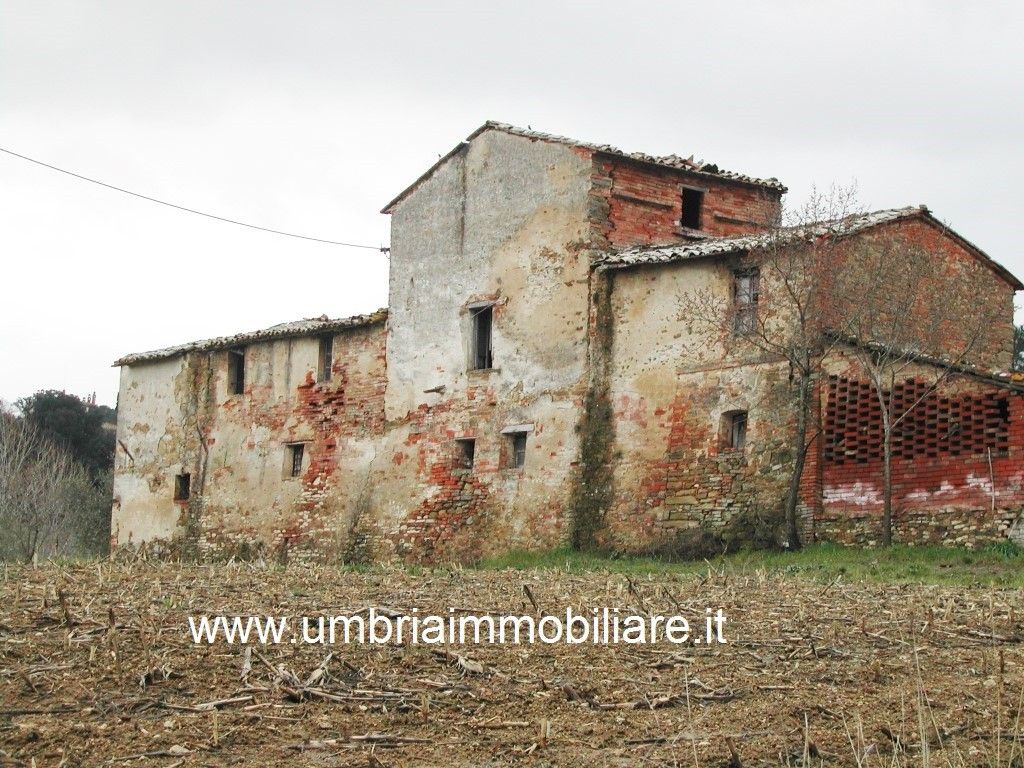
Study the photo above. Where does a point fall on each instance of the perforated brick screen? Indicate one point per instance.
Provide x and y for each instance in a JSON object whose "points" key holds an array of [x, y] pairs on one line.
{"points": [[964, 425]]}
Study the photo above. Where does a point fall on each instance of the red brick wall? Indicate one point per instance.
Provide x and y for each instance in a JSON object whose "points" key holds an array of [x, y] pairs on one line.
{"points": [[645, 203], [972, 294], [958, 468]]}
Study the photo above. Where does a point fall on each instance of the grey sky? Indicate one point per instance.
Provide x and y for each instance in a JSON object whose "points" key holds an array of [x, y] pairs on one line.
{"points": [[308, 117]]}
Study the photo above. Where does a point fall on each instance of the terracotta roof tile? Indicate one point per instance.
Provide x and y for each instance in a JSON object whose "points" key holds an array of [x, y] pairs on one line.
{"points": [[715, 246], [309, 327], [670, 161], [690, 165], [720, 246]]}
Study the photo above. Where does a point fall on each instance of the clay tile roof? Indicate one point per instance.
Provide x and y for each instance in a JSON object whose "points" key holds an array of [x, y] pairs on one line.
{"points": [[720, 246], [1006, 379], [313, 326], [670, 161], [715, 246], [690, 165]]}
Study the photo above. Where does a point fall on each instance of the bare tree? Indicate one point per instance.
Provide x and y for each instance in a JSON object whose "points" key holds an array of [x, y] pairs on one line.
{"points": [[899, 316], [777, 308], [41, 488]]}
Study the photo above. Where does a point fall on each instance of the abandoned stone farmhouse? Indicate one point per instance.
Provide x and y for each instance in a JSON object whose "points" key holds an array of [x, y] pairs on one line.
{"points": [[537, 372]]}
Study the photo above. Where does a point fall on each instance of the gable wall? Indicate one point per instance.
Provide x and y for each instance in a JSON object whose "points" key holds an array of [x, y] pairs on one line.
{"points": [[975, 300], [504, 221], [154, 443]]}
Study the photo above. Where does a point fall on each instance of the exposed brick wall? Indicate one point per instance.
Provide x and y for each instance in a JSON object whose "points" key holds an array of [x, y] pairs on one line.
{"points": [[442, 527], [644, 203], [452, 513], [310, 520], [958, 463], [695, 482], [976, 319]]}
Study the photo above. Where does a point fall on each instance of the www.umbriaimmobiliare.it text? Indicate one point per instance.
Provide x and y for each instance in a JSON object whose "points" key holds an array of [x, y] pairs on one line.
{"points": [[604, 626]]}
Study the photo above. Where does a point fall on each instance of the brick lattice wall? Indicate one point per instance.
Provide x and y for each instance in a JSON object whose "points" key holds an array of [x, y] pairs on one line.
{"points": [[957, 467]]}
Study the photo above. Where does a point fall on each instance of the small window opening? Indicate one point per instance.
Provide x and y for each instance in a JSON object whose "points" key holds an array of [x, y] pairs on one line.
{"points": [[182, 486], [326, 358], [746, 292], [693, 201], [734, 427], [465, 452], [296, 451], [236, 371], [483, 318], [517, 450]]}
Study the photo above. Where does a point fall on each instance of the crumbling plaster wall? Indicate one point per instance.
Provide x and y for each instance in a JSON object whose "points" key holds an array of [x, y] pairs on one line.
{"points": [[671, 382], [235, 446], [504, 220], [154, 443]]}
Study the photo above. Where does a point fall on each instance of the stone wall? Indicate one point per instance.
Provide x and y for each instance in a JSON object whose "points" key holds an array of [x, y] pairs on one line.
{"points": [[672, 389]]}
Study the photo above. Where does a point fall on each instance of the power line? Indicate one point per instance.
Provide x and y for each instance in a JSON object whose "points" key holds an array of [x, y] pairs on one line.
{"points": [[382, 249]]}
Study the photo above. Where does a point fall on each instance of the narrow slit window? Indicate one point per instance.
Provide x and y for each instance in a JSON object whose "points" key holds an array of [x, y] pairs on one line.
{"points": [[746, 293], [735, 428], [236, 371], [182, 486], [517, 450], [296, 453], [693, 202], [465, 453], [483, 320], [325, 361]]}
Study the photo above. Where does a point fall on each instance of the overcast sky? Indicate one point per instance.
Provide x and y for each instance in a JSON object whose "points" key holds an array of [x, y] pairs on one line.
{"points": [[308, 117]]}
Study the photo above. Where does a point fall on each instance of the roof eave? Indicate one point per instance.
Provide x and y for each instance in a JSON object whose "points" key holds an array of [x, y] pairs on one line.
{"points": [[774, 186], [458, 148], [739, 248], [493, 125], [987, 260], [996, 378], [339, 325]]}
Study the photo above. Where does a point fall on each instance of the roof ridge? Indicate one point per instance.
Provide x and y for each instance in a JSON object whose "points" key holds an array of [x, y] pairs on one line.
{"points": [[677, 162], [638, 255], [671, 160], [291, 329]]}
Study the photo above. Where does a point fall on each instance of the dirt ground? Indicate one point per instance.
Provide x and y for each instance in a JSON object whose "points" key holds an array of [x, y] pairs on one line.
{"points": [[97, 667]]}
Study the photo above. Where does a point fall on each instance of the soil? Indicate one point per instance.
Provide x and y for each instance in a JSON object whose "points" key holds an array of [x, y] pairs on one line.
{"points": [[98, 667]]}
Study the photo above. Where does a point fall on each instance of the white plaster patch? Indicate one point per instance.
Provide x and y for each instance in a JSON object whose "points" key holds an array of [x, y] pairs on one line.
{"points": [[981, 483], [861, 494]]}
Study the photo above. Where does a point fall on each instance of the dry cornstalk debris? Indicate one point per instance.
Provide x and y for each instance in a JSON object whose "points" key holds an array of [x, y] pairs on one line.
{"points": [[97, 667]]}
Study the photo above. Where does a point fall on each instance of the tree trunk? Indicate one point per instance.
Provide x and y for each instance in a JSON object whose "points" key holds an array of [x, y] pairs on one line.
{"points": [[799, 459], [887, 484]]}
